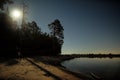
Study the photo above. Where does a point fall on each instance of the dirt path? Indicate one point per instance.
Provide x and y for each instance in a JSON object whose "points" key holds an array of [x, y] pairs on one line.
{"points": [[27, 69]]}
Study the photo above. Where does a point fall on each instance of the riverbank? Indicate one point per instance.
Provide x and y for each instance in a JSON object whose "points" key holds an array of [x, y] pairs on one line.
{"points": [[57, 60], [53, 60]]}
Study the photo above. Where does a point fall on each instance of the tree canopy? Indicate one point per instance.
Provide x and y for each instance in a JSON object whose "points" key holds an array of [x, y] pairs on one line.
{"points": [[28, 38], [57, 30]]}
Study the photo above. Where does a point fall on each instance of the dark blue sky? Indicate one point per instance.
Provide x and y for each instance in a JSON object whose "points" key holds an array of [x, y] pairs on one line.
{"points": [[91, 26]]}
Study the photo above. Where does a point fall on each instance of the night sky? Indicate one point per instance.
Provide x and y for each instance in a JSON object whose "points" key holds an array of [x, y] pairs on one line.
{"points": [[91, 26]]}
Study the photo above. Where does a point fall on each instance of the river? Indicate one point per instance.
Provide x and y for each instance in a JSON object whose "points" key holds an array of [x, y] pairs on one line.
{"points": [[106, 68]]}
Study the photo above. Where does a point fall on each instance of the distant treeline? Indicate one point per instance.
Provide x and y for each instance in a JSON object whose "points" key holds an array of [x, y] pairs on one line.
{"points": [[28, 39], [96, 55]]}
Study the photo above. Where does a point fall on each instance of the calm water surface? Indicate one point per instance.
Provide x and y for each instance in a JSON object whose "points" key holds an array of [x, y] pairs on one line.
{"points": [[107, 68]]}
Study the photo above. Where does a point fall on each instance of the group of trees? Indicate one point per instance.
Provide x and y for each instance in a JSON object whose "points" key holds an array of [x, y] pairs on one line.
{"points": [[28, 39]]}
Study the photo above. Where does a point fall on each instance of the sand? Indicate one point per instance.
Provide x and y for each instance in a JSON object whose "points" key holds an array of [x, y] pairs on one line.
{"points": [[29, 69]]}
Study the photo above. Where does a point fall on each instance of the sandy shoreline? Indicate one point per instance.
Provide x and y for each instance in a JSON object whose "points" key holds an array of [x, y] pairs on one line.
{"points": [[38, 68], [57, 60]]}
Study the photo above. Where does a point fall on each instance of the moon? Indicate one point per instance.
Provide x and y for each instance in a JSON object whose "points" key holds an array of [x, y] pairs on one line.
{"points": [[16, 14]]}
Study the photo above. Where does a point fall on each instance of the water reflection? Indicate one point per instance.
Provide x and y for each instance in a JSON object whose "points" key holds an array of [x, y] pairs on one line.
{"points": [[108, 68]]}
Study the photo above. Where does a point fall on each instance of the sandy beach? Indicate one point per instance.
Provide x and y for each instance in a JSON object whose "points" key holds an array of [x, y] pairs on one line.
{"points": [[36, 68]]}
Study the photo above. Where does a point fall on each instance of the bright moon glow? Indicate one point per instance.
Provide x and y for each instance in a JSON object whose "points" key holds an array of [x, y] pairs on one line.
{"points": [[16, 14]]}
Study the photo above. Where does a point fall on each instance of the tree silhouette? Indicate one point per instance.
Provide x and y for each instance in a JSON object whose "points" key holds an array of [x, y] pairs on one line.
{"points": [[57, 30], [34, 29], [28, 39], [7, 36]]}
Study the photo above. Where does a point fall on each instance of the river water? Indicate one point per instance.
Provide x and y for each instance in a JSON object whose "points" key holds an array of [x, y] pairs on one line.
{"points": [[107, 68]]}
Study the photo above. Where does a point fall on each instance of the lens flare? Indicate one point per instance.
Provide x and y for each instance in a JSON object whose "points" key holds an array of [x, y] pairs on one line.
{"points": [[16, 14]]}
